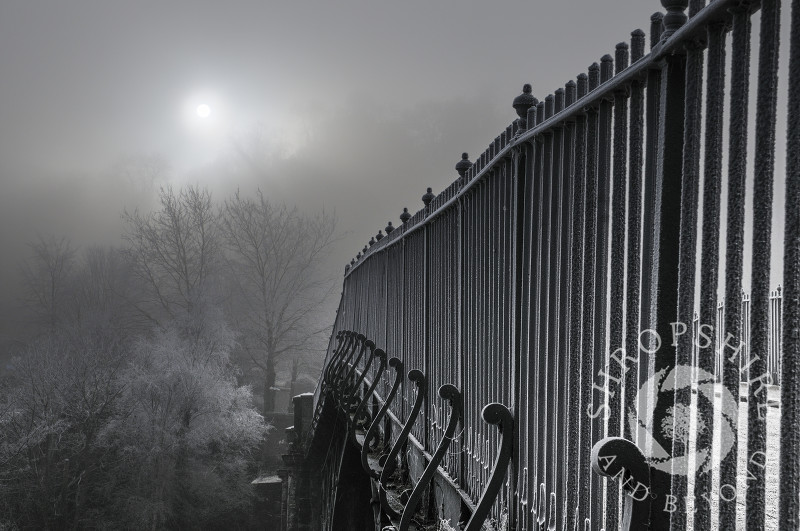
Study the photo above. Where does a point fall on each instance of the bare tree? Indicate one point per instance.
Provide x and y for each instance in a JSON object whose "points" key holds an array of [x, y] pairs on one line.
{"points": [[143, 171], [174, 250], [46, 277], [275, 255]]}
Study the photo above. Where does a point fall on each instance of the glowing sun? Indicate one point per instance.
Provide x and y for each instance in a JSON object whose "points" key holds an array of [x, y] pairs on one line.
{"points": [[203, 110]]}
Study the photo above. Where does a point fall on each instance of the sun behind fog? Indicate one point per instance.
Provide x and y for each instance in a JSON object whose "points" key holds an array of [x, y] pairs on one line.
{"points": [[203, 110]]}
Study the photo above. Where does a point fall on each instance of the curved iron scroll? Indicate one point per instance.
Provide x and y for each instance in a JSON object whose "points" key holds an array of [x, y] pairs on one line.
{"points": [[351, 387], [397, 365], [360, 410], [450, 393], [338, 371], [339, 374], [390, 463], [343, 338], [499, 415], [619, 458], [350, 339]]}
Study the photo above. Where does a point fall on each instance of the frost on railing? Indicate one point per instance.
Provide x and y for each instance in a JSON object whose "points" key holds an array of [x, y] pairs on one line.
{"points": [[593, 217]]}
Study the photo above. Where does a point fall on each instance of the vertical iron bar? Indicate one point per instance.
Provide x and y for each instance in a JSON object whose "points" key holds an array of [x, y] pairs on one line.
{"points": [[554, 350], [569, 211], [578, 370], [536, 301], [759, 286], [634, 272], [615, 369], [588, 433], [790, 365], [686, 277], [545, 357], [522, 283], [666, 250], [737, 167], [709, 262], [601, 266], [653, 116]]}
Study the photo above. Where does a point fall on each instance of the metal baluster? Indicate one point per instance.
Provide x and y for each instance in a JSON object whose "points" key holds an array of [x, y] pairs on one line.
{"points": [[790, 364], [559, 283], [759, 378], [667, 239], [686, 277], [634, 271], [570, 267], [709, 267], [601, 267], [577, 370], [737, 168], [588, 401], [653, 117], [617, 367]]}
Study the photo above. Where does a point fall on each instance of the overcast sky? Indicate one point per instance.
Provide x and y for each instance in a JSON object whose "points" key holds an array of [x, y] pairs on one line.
{"points": [[354, 106]]}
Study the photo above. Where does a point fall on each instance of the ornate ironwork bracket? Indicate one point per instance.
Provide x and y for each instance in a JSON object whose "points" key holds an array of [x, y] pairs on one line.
{"points": [[450, 393], [351, 384], [397, 365], [339, 371], [390, 460], [344, 337], [621, 459], [499, 415], [361, 409]]}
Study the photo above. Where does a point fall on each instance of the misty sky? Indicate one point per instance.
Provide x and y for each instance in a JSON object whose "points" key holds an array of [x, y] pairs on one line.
{"points": [[354, 106]]}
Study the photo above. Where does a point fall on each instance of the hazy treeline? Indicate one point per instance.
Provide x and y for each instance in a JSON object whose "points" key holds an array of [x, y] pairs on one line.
{"points": [[128, 406]]}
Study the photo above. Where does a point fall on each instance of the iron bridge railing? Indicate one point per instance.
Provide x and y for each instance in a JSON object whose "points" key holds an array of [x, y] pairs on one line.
{"points": [[560, 274]]}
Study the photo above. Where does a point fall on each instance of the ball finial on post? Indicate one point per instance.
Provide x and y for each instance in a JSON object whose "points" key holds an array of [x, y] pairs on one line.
{"points": [[405, 216], [463, 165], [675, 16], [389, 228], [522, 103], [428, 197]]}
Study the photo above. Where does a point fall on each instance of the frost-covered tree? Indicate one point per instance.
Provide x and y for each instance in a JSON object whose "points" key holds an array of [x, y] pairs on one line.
{"points": [[190, 429], [151, 433]]}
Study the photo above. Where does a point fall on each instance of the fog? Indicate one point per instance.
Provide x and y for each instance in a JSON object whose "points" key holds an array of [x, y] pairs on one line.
{"points": [[346, 110], [356, 107]]}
